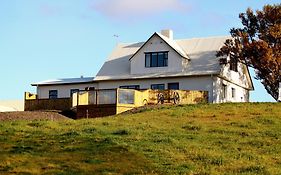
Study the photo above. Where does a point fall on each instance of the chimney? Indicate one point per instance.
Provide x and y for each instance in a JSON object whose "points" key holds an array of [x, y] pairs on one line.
{"points": [[168, 33]]}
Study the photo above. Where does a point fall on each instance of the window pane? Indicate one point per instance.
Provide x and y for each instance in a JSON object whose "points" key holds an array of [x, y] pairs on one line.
{"points": [[53, 94], [126, 96], [224, 91], [106, 96], [233, 92], [161, 86], [134, 87], [174, 86], [147, 59], [234, 65], [160, 59], [158, 86], [154, 60], [92, 97], [154, 86], [165, 59], [130, 87]]}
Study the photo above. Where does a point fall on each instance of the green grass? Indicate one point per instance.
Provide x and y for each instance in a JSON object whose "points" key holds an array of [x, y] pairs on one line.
{"points": [[189, 139]]}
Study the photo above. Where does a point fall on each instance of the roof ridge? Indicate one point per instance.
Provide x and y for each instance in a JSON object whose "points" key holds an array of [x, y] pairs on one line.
{"points": [[208, 37], [203, 37]]}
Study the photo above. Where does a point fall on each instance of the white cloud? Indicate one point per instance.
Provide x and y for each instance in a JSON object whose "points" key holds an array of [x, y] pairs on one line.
{"points": [[128, 9]]}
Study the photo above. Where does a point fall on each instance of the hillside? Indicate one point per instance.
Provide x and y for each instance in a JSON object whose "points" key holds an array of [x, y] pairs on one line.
{"points": [[28, 115], [189, 139]]}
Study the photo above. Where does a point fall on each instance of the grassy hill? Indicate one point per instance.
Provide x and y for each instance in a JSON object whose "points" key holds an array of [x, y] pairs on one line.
{"points": [[189, 139]]}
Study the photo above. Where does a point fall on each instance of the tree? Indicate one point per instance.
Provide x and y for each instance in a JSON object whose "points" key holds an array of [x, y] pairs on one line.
{"points": [[257, 45]]}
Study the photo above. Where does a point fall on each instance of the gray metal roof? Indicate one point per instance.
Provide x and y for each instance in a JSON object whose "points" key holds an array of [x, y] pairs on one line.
{"points": [[65, 81], [200, 51]]}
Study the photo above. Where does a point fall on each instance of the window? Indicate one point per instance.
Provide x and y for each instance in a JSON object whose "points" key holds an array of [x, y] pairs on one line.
{"points": [[174, 86], [53, 94], [130, 87], [234, 65], [158, 86], [224, 91], [72, 91], [233, 92], [156, 59]]}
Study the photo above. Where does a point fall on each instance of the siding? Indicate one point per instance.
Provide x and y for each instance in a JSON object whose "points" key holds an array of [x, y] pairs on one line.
{"points": [[63, 90], [237, 77], [241, 94], [156, 44]]}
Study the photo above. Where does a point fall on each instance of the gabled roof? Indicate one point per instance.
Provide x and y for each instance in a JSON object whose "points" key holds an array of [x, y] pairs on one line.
{"points": [[65, 81], [201, 52], [168, 41]]}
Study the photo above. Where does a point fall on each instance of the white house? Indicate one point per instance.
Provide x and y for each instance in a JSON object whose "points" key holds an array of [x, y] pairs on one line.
{"points": [[163, 62], [63, 88]]}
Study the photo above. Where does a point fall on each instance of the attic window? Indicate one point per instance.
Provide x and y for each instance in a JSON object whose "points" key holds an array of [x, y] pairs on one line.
{"points": [[156, 59], [234, 65]]}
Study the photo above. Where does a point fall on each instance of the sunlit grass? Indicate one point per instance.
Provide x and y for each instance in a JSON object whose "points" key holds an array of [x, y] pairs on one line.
{"points": [[190, 139]]}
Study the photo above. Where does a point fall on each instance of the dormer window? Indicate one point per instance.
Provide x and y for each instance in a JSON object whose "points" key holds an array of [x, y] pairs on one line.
{"points": [[156, 59]]}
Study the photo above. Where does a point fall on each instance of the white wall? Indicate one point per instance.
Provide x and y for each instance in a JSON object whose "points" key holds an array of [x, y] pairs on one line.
{"points": [[156, 44], [279, 99], [203, 83], [237, 77], [63, 90], [241, 94]]}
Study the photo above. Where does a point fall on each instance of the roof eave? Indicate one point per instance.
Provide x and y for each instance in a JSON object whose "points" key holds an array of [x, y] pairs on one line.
{"points": [[164, 76], [53, 84], [142, 46]]}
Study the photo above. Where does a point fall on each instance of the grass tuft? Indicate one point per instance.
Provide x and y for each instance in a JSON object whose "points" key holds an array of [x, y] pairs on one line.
{"points": [[121, 132]]}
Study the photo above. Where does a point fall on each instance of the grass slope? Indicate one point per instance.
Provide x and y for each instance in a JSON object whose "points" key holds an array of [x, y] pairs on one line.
{"points": [[190, 139]]}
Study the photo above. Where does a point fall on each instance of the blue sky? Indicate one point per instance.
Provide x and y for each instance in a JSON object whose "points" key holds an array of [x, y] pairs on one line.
{"points": [[48, 39]]}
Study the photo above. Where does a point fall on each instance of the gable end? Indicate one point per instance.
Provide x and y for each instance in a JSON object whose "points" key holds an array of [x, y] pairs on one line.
{"points": [[156, 34]]}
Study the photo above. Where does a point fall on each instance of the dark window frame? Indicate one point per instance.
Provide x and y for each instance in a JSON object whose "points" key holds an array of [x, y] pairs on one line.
{"points": [[233, 92], [157, 86], [154, 59], [174, 83], [130, 87], [224, 91], [53, 94], [233, 65]]}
